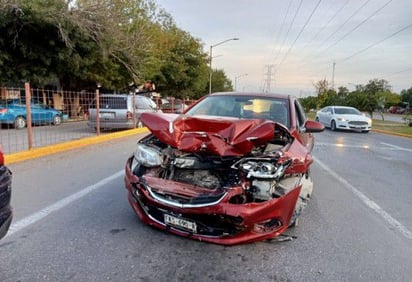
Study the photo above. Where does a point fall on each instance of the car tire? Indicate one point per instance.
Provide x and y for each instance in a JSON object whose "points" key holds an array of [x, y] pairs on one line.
{"points": [[57, 120], [20, 122], [5, 186], [333, 125], [6, 213]]}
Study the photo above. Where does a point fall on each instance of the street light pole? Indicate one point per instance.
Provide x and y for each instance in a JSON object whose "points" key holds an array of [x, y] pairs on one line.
{"points": [[210, 60], [239, 76]]}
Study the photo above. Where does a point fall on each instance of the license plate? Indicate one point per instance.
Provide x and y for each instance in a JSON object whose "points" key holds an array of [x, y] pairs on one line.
{"points": [[106, 115], [180, 222]]}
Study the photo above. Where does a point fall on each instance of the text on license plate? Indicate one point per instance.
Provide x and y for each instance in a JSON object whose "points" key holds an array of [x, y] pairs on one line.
{"points": [[179, 222], [106, 115]]}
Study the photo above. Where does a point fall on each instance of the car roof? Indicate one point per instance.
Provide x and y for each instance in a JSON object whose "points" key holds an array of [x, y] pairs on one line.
{"points": [[122, 95], [254, 94], [342, 107]]}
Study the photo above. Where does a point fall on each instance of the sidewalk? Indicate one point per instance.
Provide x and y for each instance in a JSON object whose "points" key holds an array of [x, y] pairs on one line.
{"points": [[57, 148]]}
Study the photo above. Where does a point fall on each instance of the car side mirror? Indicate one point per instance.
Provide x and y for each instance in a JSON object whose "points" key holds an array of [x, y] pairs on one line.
{"points": [[313, 126]]}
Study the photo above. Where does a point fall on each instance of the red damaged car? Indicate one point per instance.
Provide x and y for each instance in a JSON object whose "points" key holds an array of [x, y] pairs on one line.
{"points": [[234, 168]]}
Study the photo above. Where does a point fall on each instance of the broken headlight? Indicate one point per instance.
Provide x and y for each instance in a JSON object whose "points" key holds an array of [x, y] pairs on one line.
{"points": [[147, 156], [268, 170]]}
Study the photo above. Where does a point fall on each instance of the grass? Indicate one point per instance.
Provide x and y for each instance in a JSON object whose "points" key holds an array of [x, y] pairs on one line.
{"points": [[390, 127]]}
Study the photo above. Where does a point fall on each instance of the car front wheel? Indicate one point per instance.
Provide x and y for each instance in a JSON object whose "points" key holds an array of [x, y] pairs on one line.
{"points": [[57, 120], [333, 125], [20, 122]]}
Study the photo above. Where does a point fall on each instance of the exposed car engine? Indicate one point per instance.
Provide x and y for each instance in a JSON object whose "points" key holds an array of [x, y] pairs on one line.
{"points": [[262, 173]]}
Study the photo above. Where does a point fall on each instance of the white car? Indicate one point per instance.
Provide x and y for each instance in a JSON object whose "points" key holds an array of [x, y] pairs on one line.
{"points": [[346, 118]]}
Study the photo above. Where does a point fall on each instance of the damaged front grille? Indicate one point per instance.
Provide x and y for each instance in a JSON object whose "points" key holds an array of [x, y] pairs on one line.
{"points": [[185, 196]]}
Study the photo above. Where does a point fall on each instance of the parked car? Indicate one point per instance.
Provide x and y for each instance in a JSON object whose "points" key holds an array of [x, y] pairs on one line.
{"points": [[234, 168], [6, 213], [116, 111], [346, 118], [14, 112], [176, 106], [396, 110]]}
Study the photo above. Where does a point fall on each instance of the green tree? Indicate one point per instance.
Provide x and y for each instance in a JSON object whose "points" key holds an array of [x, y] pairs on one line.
{"points": [[343, 91], [80, 44], [309, 103], [387, 98], [373, 92], [326, 95], [183, 71], [29, 41], [221, 82], [356, 99], [406, 97]]}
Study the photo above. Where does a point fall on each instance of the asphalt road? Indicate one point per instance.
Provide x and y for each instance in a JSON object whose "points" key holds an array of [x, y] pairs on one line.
{"points": [[73, 223]]}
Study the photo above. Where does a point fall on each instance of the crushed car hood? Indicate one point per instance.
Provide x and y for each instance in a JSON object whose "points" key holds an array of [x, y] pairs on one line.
{"points": [[222, 136]]}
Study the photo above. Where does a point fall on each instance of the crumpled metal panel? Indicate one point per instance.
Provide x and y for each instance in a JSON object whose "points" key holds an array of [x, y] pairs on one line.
{"points": [[218, 136]]}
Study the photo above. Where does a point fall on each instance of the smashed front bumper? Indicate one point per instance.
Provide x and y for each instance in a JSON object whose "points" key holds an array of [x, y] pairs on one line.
{"points": [[213, 216]]}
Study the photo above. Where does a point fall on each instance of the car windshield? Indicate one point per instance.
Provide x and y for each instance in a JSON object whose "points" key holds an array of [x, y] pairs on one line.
{"points": [[247, 107], [347, 111]]}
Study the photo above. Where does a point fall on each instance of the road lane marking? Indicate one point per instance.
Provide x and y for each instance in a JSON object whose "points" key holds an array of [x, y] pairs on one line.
{"points": [[35, 217], [396, 147], [368, 202], [341, 145]]}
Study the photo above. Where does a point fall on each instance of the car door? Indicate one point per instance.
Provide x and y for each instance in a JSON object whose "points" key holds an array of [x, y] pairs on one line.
{"points": [[323, 115], [40, 113], [329, 116]]}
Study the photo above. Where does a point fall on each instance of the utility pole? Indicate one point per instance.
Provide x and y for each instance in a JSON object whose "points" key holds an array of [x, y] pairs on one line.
{"points": [[333, 75], [269, 76]]}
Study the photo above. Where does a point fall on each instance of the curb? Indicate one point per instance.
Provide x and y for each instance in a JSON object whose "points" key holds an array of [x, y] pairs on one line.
{"points": [[391, 133], [61, 147]]}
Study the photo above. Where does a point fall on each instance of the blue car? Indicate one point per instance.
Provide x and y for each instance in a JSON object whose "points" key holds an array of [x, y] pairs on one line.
{"points": [[13, 112]]}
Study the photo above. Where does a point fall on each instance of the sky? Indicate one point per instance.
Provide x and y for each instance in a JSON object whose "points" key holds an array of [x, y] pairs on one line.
{"points": [[287, 46]]}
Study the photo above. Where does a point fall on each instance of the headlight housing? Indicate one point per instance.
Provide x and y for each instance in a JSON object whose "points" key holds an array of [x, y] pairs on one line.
{"points": [[341, 119], [147, 156]]}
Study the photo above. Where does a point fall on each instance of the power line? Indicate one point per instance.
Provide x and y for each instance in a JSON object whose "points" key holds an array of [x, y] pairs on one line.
{"points": [[347, 20], [277, 37], [357, 26], [300, 33], [290, 27], [376, 43], [327, 23], [282, 25], [398, 72]]}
